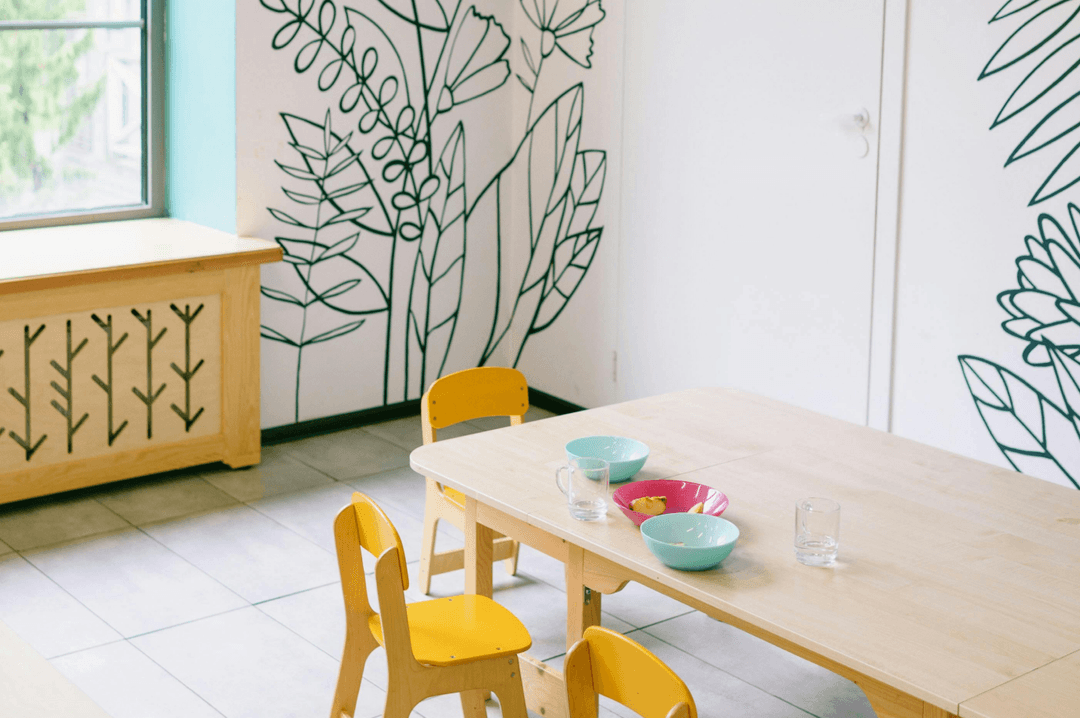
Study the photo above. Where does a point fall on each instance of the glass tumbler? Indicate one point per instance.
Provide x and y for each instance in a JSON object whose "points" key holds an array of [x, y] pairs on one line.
{"points": [[586, 487], [817, 531]]}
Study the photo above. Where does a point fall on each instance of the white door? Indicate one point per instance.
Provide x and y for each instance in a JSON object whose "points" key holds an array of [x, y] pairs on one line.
{"points": [[748, 198]]}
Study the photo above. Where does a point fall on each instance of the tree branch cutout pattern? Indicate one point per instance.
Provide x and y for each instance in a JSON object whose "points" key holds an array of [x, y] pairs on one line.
{"points": [[380, 220], [1040, 434]]}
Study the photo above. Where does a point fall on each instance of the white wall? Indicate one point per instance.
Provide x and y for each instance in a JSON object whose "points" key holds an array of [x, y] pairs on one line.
{"points": [[964, 218]]}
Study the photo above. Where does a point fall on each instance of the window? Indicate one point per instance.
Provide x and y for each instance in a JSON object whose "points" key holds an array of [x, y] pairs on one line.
{"points": [[81, 111]]}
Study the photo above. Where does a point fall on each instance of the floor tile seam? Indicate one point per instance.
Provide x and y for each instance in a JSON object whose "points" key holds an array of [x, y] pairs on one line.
{"points": [[303, 638], [293, 593], [75, 598], [189, 563], [191, 515], [83, 650], [111, 511], [72, 541], [729, 673], [176, 678], [188, 622], [383, 438], [288, 528], [657, 623], [300, 458]]}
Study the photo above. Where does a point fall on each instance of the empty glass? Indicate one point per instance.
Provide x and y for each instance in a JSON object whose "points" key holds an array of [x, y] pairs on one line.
{"points": [[817, 531], [586, 487]]}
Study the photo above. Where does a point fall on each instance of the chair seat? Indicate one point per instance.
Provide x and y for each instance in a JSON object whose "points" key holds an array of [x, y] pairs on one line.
{"points": [[460, 629], [454, 495]]}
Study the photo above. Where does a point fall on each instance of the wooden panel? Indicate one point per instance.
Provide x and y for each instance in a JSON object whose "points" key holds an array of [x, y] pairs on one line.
{"points": [[113, 379], [57, 257], [31, 688], [545, 691], [151, 459], [1052, 691], [240, 372], [955, 576]]}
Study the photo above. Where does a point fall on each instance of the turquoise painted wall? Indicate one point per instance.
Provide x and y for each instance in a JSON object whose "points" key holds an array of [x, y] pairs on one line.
{"points": [[200, 133]]}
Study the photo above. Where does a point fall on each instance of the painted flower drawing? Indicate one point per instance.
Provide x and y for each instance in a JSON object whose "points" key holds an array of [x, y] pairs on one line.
{"points": [[385, 229], [1045, 309], [566, 25]]}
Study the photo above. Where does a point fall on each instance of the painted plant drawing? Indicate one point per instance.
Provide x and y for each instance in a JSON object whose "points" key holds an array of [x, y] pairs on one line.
{"points": [[1037, 433], [380, 219]]}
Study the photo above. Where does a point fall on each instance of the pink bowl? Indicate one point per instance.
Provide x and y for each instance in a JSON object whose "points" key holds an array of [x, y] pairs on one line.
{"points": [[681, 497]]}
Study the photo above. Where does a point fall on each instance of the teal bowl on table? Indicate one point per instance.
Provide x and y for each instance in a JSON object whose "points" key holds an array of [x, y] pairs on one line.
{"points": [[625, 456], [690, 542]]}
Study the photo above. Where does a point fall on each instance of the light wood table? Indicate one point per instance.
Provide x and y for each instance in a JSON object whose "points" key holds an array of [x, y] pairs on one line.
{"points": [[1052, 691], [954, 578], [126, 348]]}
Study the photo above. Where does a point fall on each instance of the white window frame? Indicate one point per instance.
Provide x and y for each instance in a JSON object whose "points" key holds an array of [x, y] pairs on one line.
{"points": [[152, 25]]}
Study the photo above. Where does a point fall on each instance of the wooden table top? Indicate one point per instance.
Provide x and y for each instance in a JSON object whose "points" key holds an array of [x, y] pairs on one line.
{"points": [[53, 257], [1052, 691], [955, 576]]}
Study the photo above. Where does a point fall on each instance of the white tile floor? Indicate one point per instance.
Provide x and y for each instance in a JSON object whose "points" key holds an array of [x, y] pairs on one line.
{"points": [[211, 593]]}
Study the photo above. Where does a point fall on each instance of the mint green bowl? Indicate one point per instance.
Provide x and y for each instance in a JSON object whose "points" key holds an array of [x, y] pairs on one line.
{"points": [[625, 456], [706, 540]]}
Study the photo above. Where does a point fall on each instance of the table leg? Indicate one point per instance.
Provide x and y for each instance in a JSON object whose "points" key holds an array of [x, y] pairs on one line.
{"points": [[479, 546], [582, 603], [479, 540]]}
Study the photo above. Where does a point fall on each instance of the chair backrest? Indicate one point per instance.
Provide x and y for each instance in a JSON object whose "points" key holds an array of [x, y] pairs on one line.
{"points": [[610, 664], [473, 394], [363, 525]]}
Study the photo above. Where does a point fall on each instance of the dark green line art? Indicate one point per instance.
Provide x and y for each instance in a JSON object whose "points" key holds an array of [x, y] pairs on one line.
{"points": [[26, 442], [1037, 434], [67, 409], [107, 386], [151, 395], [407, 255], [187, 317], [1053, 57], [336, 173]]}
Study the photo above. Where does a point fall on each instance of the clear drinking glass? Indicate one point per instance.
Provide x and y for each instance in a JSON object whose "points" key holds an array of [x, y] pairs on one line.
{"points": [[586, 487], [817, 531]]}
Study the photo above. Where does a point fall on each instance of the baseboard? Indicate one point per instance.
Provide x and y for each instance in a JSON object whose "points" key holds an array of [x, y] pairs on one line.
{"points": [[543, 400], [355, 419], [328, 424]]}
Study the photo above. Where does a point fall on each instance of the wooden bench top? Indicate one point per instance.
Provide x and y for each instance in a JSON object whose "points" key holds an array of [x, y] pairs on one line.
{"points": [[54, 257]]}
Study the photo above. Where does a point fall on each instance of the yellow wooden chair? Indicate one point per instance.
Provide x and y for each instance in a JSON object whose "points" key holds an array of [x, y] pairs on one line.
{"points": [[609, 664], [457, 397], [463, 644]]}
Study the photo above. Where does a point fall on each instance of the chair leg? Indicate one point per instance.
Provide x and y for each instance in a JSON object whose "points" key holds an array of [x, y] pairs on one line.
{"points": [[350, 675], [511, 695], [472, 704], [510, 564], [398, 705], [427, 548]]}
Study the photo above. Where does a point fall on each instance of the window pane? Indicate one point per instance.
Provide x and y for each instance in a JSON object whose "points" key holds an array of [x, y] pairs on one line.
{"points": [[71, 10], [70, 120]]}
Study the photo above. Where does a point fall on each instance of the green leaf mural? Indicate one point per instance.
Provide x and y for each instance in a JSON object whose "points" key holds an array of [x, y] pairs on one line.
{"points": [[1031, 431], [1046, 46], [1039, 434], [455, 281]]}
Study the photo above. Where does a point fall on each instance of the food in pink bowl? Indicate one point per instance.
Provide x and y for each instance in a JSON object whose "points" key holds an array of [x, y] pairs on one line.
{"points": [[681, 497]]}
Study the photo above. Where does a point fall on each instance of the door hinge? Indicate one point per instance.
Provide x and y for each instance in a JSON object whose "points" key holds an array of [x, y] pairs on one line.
{"points": [[588, 596], [615, 367]]}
